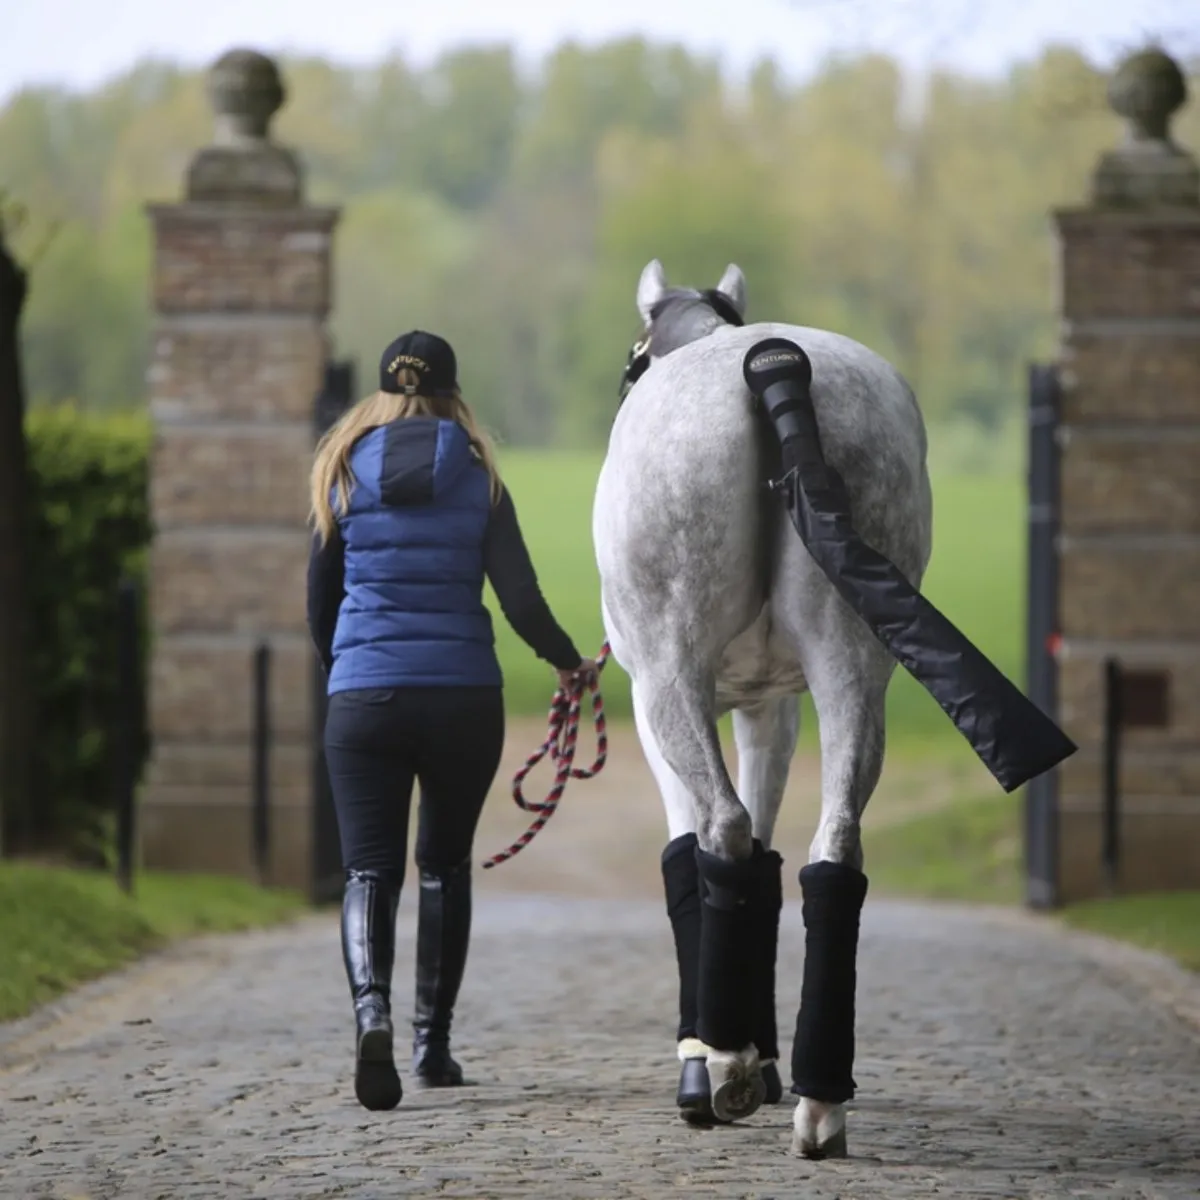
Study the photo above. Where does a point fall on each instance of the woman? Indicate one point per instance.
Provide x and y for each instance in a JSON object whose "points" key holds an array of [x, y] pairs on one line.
{"points": [[410, 516]]}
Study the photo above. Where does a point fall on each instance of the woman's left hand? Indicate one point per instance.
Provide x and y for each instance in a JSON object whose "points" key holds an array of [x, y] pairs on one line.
{"points": [[579, 678]]}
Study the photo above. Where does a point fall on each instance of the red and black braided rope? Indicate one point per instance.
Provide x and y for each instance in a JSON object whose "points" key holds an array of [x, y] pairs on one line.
{"points": [[562, 738]]}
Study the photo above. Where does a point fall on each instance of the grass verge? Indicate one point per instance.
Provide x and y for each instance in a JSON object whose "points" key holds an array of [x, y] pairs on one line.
{"points": [[1168, 922], [971, 851], [61, 927]]}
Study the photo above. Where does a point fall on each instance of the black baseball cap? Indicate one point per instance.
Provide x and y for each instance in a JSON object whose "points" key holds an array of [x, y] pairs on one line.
{"points": [[430, 356]]}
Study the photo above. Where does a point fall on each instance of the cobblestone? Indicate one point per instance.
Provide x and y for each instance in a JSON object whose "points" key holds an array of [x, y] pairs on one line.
{"points": [[997, 1059]]}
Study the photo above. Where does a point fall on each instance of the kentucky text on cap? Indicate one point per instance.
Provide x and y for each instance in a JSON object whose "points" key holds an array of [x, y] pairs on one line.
{"points": [[430, 357]]}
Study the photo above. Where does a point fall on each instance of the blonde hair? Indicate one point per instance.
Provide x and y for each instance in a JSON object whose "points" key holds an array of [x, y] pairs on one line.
{"points": [[331, 464]]}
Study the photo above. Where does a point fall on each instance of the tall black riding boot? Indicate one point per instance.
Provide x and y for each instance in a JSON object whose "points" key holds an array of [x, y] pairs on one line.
{"points": [[443, 937], [368, 950]]}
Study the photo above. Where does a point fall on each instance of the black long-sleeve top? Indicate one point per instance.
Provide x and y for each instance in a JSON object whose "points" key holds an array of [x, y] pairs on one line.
{"points": [[507, 565]]}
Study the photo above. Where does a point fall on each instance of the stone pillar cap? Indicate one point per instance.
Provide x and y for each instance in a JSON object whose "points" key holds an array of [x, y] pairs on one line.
{"points": [[243, 164], [1149, 168]]}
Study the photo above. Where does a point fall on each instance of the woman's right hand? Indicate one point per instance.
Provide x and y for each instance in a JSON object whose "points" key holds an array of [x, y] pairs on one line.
{"points": [[579, 677]]}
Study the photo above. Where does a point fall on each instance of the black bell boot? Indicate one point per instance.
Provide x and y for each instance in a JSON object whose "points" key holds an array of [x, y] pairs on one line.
{"points": [[368, 949], [443, 937], [768, 903]]}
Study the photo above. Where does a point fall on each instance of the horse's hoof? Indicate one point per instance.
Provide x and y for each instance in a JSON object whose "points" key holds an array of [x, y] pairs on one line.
{"points": [[834, 1148], [736, 1099], [820, 1129], [736, 1084], [694, 1098], [773, 1083]]}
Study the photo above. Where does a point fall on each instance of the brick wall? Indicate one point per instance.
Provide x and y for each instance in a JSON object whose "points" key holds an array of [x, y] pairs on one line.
{"points": [[1130, 534], [241, 294]]}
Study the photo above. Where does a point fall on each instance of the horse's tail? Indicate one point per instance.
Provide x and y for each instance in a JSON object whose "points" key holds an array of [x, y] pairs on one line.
{"points": [[1014, 739]]}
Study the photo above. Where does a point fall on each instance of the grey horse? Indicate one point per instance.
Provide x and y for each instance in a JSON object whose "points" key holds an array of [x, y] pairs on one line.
{"points": [[712, 604]]}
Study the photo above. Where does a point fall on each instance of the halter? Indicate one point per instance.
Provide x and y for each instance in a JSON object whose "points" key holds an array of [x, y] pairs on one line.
{"points": [[638, 362]]}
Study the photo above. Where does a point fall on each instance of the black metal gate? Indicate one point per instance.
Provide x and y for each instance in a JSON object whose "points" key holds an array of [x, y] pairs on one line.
{"points": [[1042, 627], [333, 399]]}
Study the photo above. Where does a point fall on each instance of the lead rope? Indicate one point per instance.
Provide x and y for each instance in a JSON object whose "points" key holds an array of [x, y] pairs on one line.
{"points": [[562, 737]]}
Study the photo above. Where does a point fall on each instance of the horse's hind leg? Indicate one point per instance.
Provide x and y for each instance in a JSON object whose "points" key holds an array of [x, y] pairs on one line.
{"points": [[766, 741], [678, 707], [848, 676]]}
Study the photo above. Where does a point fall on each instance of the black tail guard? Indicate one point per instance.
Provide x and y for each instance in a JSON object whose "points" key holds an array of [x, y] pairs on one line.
{"points": [[1013, 738]]}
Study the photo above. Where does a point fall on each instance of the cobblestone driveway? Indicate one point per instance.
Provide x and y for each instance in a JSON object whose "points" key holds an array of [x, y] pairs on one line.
{"points": [[996, 1059]]}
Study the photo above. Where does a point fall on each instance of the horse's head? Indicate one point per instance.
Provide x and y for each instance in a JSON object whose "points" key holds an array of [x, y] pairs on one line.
{"points": [[673, 317]]}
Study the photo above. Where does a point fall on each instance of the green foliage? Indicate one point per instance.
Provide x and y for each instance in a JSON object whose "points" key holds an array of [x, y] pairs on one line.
{"points": [[59, 928], [91, 525], [514, 210]]}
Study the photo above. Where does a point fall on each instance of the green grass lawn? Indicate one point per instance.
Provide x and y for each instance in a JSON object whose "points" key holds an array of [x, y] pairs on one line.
{"points": [[61, 927], [976, 577], [969, 851]]}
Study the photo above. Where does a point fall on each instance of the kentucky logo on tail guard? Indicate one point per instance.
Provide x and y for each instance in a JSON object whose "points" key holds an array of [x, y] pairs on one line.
{"points": [[1013, 738]]}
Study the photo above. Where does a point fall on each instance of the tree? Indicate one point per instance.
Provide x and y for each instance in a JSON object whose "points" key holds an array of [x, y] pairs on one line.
{"points": [[15, 724]]}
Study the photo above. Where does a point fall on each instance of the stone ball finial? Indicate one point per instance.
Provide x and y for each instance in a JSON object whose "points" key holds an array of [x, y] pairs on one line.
{"points": [[1147, 89], [1148, 170], [246, 91], [243, 164]]}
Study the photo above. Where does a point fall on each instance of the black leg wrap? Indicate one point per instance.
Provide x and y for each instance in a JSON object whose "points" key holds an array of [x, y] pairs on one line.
{"points": [[727, 975], [768, 903], [823, 1049], [681, 882]]}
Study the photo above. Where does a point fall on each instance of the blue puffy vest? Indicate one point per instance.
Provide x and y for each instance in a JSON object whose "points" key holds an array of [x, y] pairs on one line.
{"points": [[413, 612]]}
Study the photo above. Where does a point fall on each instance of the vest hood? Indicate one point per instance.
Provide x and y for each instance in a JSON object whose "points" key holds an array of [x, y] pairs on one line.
{"points": [[416, 460]]}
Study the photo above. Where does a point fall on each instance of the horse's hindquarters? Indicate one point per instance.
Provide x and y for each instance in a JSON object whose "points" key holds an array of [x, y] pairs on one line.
{"points": [[678, 525]]}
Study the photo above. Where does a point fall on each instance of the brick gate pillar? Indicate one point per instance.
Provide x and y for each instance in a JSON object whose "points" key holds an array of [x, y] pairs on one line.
{"points": [[1130, 519], [241, 290]]}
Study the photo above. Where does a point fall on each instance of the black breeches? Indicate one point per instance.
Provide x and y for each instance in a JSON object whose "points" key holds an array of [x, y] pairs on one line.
{"points": [[380, 741]]}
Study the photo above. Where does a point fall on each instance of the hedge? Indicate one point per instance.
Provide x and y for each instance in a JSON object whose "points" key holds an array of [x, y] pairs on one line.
{"points": [[90, 525]]}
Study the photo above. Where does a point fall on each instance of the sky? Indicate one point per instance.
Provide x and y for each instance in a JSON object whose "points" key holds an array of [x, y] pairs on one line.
{"points": [[80, 43]]}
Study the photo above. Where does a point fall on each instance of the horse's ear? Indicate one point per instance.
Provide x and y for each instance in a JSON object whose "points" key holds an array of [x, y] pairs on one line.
{"points": [[651, 288], [733, 288]]}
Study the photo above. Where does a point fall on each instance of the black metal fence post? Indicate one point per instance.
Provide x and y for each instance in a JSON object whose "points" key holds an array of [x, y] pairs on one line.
{"points": [[1110, 847], [262, 757], [128, 729]]}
